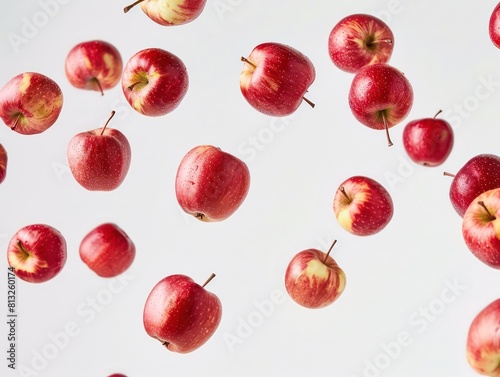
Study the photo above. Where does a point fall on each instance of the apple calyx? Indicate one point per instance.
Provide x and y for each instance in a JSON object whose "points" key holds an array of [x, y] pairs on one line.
{"points": [[491, 217], [105, 125], [329, 250], [386, 126], [128, 7], [245, 60]]}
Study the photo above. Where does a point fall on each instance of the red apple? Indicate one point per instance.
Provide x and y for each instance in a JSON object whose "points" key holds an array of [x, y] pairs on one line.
{"points": [[211, 184], [117, 375], [3, 163], [37, 253], [99, 159], [362, 206], [107, 250], [481, 173], [275, 78], [481, 227], [380, 97], [30, 103], [358, 40], [313, 279], [94, 65], [170, 12], [154, 81], [494, 26], [428, 141], [483, 341], [181, 314]]}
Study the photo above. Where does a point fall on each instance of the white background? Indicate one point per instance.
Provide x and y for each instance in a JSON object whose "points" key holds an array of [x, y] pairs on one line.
{"points": [[296, 165]]}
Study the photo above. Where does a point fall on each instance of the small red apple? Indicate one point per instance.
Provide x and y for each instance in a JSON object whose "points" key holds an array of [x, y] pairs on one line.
{"points": [[3, 163], [380, 97], [483, 341], [313, 279], [211, 184], [358, 40], [37, 253], [170, 12], [481, 227], [154, 81], [362, 206], [181, 314], [479, 174], [107, 250], [99, 159], [30, 103], [428, 141], [275, 78], [494, 26], [94, 65]]}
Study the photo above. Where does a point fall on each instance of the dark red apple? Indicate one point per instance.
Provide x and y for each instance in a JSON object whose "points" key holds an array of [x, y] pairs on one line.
{"points": [[358, 40], [428, 141], [275, 78], [380, 97], [107, 250], [181, 314], [211, 184], [99, 159], [480, 174], [3, 163], [494, 26]]}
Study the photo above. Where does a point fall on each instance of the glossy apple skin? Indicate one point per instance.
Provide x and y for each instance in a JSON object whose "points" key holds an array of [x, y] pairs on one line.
{"points": [[428, 141], [211, 184], [483, 341], [369, 208], [94, 65], [480, 231], [30, 103], [107, 250], [359, 40], [277, 79], [494, 26], [37, 253], [313, 282], [173, 12], [117, 375], [154, 82], [378, 91], [481, 173], [99, 162], [3, 163], [181, 314]]}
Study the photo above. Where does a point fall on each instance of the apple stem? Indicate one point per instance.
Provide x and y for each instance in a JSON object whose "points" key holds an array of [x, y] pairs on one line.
{"points": [[329, 250], [16, 122], [309, 102], [98, 85], [243, 59], [208, 280], [439, 112], [131, 87], [111, 116], [127, 8], [448, 174], [492, 217], [21, 247], [342, 190], [389, 142]]}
